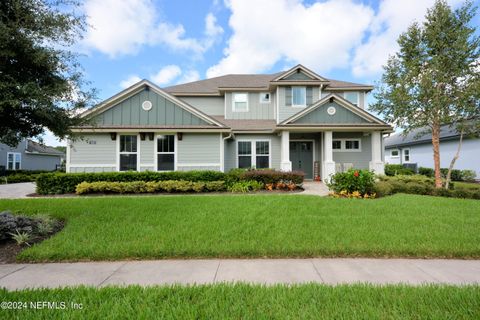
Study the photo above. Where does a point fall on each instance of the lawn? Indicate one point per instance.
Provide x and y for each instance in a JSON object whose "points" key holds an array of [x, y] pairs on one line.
{"points": [[243, 301], [113, 228]]}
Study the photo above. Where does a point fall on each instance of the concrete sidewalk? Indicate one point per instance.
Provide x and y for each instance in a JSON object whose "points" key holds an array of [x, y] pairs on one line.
{"points": [[16, 190], [264, 271]]}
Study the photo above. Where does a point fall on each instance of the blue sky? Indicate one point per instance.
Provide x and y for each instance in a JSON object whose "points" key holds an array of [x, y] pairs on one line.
{"points": [[171, 42]]}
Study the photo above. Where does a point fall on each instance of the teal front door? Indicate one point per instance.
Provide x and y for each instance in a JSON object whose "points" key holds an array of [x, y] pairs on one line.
{"points": [[301, 155]]}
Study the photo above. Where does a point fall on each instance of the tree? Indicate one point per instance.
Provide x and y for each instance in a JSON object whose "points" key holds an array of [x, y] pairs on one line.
{"points": [[434, 78], [40, 78]]}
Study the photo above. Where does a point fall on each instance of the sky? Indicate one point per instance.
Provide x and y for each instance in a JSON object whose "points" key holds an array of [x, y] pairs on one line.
{"points": [[171, 42]]}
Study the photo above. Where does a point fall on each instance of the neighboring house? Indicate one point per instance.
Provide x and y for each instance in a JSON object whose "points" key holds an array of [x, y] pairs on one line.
{"points": [[30, 155], [417, 149], [290, 120]]}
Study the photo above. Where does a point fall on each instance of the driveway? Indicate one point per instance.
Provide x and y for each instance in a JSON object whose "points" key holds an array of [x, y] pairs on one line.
{"points": [[16, 190]]}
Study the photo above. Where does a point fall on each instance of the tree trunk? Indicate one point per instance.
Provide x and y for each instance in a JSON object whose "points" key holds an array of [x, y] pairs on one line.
{"points": [[452, 163], [436, 154]]}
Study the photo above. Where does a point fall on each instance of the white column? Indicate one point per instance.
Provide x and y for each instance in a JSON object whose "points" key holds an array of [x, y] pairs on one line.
{"points": [[328, 163], [67, 160], [377, 165], [285, 163]]}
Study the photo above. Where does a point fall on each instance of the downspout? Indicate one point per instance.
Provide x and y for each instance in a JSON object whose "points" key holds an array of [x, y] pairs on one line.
{"points": [[231, 135]]}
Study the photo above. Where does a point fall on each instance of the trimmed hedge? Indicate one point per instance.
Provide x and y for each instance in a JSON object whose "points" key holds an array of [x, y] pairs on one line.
{"points": [[60, 183], [150, 186], [396, 169]]}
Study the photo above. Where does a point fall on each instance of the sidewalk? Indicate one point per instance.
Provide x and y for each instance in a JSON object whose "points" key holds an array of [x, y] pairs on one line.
{"points": [[16, 190], [264, 271]]}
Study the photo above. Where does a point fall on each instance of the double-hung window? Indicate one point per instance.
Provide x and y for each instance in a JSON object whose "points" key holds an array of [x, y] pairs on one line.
{"points": [[128, 152], [351, 96], [299, 96], [406, 155], [253, 154], [166, 153], [14, 160], [240, 102]]}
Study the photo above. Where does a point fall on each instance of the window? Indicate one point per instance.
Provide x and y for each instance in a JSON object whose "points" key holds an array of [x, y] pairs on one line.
{"points": [[240, 102], [265, 97], [14, 160], [352, 97], [337, 144], [128, 152], [394, 153], [406, 155], [346, 145], [253, 154], [299, 96], [166, 153]]}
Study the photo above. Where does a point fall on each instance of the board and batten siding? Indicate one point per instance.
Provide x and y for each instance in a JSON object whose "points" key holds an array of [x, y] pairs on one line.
{"points": [[230, 149], [320, 115], [359, 159], [361, 96], [199, 151], [256, 110], [163, 112], [93, 153], [286, 111], [213, 106]]}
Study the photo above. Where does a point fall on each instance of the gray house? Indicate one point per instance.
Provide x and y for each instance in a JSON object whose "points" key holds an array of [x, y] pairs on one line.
{"points": [[417, 149], [30, 155], [292, 120]]}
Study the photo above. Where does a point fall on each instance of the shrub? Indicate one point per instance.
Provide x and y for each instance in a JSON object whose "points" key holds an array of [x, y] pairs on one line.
{"points": [[384, 188], [149, 187], [468, 175], [456, 174], [418, 188], [273, 176], [246, 186], [395, 169], [21, 237], [353, 180], [428, 172]]}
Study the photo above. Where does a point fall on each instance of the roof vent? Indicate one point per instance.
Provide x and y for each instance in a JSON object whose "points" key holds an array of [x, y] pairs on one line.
{"points": [[147, 105]]}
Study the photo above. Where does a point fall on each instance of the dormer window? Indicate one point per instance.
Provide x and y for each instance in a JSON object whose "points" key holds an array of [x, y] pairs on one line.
{"points": [[299, 96], [352, 96], [265, 97], [240, 102]]}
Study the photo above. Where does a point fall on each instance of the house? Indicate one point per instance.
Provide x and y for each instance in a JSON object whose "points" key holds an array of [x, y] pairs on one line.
{"points": [[292, 120], [30, 155], [416, 148]]}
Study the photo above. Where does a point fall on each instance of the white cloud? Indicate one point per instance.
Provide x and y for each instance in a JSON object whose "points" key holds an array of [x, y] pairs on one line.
{"points": [[320, 35], [123, 27], [166, 75], [131, 80], [392, 19], [189, 76]]}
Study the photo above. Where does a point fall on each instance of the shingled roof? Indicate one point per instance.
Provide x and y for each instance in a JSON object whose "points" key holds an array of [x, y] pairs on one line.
{"points": [[35, 147], [419, 136], [212, 85]]}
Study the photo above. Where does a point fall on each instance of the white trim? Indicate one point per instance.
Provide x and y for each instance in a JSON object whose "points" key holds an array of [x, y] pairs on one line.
{"points": [[260, 94], [398, 153], [222, 153], [305, 70], [225, 104], [147, 164], [299, 105], [14, 162], [120, 153], [409, 155], [113, 165], [68, 156], [234, 109], [277, 98], [175, 149], [358, 98], [199, 164], [253, 154], [314, 155], [343, 145]]}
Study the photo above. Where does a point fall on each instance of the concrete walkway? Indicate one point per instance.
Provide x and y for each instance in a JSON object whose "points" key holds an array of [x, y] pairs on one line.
{"points": [[263, 271], [314, 188], [16, 190]]}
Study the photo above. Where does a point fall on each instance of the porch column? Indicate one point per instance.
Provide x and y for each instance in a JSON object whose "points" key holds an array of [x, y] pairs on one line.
{"points": [[377, 165], [328, 163], [285, 163]]}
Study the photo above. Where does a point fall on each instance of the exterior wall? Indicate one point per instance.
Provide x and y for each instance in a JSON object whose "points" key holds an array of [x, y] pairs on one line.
{"points": [[230, 149], [147, 154], [362, 96], [298, 76], [197, 151], [29, 161], [422, 154], [359, 159], [213, 106], [256, 110], [163, 112], [94, 153], [320, 115], [284, 111]]}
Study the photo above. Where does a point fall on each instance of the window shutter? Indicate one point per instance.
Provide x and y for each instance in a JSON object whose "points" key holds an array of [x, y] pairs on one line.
{"points": [[309, 96], [288, 96]]}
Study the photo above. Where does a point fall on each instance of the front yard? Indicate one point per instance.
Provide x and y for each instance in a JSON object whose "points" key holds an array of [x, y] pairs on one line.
{"points": [[113, 228]]}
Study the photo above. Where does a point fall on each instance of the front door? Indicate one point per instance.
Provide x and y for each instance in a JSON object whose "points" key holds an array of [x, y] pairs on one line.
{"points": [[301, 155]]}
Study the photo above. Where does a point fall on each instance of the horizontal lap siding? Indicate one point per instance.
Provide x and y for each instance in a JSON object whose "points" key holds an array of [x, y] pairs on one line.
{"points": [[197, 149], [360, 160], [147, 158], [214, 106], [256, 110], [102, 152]]}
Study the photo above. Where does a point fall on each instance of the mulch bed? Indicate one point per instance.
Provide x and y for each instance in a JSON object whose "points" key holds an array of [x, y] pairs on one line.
{"points": [[9, 249]]}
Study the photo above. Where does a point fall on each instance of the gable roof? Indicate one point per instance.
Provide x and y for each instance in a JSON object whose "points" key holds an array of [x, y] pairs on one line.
{"points": [[35, 147], [137, 87], [300, 68], [341, 101]]}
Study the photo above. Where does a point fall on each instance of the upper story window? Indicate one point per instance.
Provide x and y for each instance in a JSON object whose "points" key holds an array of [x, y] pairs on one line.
{"points": [[240, 102], [299, 96], [352, 96], [265, 97]]}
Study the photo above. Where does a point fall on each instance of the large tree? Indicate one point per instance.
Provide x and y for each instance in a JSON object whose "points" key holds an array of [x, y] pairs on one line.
{"points": [[434, 78], [41, 84]]}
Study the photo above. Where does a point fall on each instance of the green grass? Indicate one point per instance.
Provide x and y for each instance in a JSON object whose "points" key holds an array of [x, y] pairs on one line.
{"points": [[113, 228], [254, 302]]}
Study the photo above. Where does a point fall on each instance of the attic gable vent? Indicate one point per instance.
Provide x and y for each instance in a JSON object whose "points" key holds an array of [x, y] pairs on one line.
{"points": [[147, 105]]}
